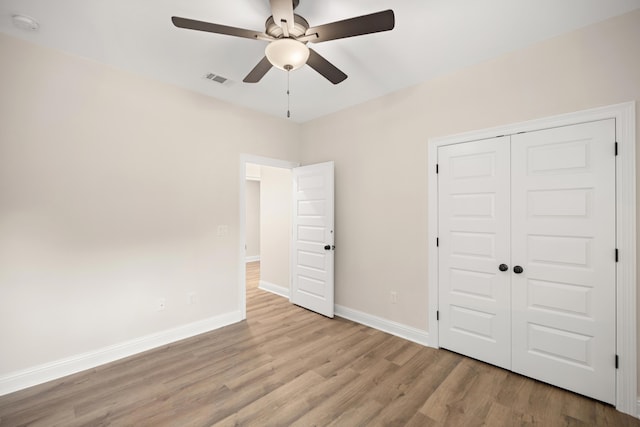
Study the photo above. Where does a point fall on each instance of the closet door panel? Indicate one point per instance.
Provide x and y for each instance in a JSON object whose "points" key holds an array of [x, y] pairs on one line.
{"points": [[563, 236], [473, 221]]}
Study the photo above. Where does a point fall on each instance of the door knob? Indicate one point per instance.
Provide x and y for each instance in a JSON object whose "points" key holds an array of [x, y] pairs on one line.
{"points": [[503, 267], [517, 269]]}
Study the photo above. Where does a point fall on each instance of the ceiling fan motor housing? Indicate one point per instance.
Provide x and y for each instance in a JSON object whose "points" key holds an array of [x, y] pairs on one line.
{"points": [[299, 28]]}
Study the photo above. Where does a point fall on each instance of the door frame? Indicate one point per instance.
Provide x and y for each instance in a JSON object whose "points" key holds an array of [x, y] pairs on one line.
{"points": [[626, 330], [242, 232]]}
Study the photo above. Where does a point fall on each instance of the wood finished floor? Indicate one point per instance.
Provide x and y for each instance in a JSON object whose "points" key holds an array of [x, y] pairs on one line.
{"points": [[287, 366]]}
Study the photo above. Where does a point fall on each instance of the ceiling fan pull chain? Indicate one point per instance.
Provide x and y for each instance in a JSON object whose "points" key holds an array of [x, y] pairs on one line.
{"points": [[288, 94]]}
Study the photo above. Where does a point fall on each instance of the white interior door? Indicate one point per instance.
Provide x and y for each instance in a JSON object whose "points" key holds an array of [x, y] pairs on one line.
{"points": [[563, 236], [473, 223], [313, 238]]}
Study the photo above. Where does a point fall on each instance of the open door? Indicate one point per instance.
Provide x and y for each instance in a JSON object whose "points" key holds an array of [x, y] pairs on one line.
{"points": [[312, 248]]}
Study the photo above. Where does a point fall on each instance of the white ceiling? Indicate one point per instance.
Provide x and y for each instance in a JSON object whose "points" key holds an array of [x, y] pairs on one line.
{"points": [[431, 38]]}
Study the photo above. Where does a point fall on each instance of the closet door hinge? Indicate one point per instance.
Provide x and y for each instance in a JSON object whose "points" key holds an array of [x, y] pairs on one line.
{"points": [[438, 318], [437, 241], [617, 255], [616, 148], [617, 360], [436, 168]]}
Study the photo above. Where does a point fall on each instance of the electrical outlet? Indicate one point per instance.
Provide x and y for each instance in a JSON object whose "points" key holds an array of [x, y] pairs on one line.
{"points": [[394, 297], [223, 230], [162, 303], [191, 298]]}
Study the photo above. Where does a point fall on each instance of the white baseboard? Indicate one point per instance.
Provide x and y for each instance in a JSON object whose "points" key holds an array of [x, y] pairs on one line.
{"points": [[273, 288], [394, 328], [638, 409], [70, 365], [252, 258]]}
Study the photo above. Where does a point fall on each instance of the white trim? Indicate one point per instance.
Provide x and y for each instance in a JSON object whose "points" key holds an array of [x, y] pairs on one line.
{"points": [[253, 258], [242, 235], [624, 114], [638, 409], [274, 289], [394, 328], [403, 331], [70, 365], [626, 334]]}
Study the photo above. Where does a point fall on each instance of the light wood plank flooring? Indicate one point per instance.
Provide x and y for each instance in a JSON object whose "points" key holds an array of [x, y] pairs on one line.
{"points": [[287, 366]]}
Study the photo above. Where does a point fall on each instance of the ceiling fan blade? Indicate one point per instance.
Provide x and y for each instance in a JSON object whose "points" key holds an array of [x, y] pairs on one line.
{"points": [[258, 71], [324, 67], [282, 10], [365, 24], [209, 27]]}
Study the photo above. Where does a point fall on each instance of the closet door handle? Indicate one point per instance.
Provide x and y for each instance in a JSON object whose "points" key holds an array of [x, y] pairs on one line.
{"points": [[503, 267], [517, 269]]}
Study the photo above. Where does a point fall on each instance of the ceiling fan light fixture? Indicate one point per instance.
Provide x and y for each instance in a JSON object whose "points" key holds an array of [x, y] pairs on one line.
{"points": [[287, 54]]}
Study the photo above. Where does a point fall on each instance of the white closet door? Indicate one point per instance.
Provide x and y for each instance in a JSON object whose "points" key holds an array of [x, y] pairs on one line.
{"points": [[473, 222], [563, 236]]}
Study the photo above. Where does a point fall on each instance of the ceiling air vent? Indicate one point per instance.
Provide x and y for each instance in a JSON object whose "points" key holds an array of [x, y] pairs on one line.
{"points": [[215, 78], [25, 22]]}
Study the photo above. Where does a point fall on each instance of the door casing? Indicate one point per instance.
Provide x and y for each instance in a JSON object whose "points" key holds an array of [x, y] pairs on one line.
{"points": [[626, 331]]}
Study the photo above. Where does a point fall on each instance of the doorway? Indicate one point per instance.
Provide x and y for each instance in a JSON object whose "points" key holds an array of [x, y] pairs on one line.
{"points": [[306, 243], [268, 227], [265, 226]]}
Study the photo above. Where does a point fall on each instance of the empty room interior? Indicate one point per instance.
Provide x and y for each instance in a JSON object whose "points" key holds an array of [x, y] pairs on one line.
{"points": [[283, 212]]}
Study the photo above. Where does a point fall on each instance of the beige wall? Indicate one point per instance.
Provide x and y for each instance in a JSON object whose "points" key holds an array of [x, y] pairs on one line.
{"points": [[252, 206], [112, 188], [275, 225], [380, 151]]}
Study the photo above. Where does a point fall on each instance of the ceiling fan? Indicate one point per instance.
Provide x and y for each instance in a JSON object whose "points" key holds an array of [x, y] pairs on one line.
{"points": [[288, 35]]}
